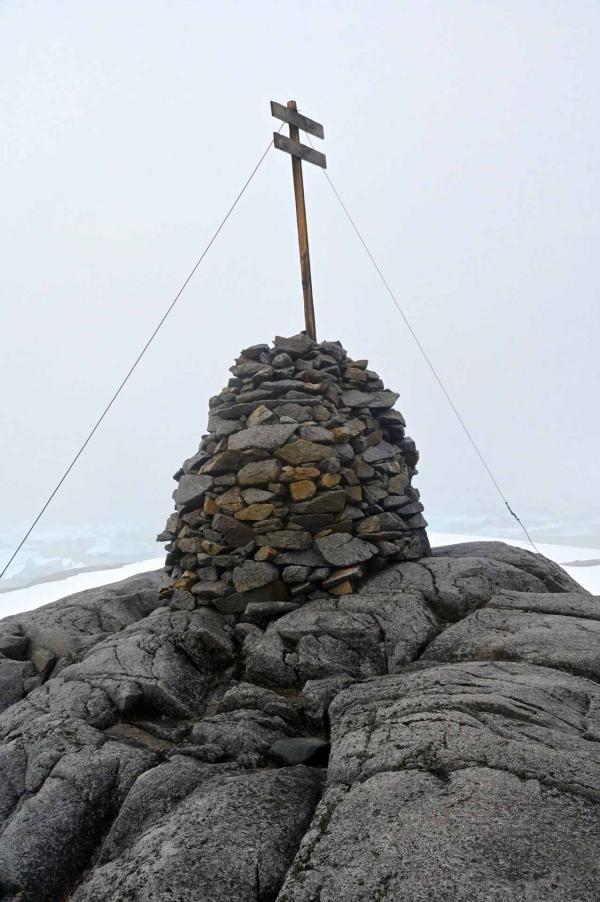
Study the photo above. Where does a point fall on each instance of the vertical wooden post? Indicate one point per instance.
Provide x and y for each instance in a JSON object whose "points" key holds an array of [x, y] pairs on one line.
{"points": [[309, 310]]}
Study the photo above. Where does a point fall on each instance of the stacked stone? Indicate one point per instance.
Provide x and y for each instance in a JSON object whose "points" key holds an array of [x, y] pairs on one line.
{"points": [[301, 486]]}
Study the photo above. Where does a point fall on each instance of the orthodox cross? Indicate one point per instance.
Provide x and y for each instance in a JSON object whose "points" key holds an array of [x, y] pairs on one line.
{"points": [[299, 152]]}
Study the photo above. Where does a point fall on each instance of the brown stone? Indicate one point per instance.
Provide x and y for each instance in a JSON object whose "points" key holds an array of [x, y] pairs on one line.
{"points": [[355, 374], [344, 588], [320, 413], [210, 507], [185, 582], [339, 576], [221, 463], [211, 547], [329, 480], [398, 483], [341, 434], [292, 474], [259, 472], [255, 512], [301, 451], [266, 553], [230, 501], [261, 415], [189, 546], [302, 490]]}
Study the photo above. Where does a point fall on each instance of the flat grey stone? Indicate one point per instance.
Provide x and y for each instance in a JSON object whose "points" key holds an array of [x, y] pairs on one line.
{"points": [[332, 502], [296, 346], [317, 434], [381, 451], [191, 489], [268, 438], [301, 452], [288, 539], [259, 472], [253, 575], [375, 400], [342, 549]]}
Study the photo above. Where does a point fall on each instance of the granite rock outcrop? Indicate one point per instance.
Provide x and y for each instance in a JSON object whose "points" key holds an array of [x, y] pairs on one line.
{"points": [[433, 736]]}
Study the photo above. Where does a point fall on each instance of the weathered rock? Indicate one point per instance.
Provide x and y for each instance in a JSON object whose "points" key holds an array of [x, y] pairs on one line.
{"points": [[553, 577], [303, 490], [222, 462], [483, 771], [253, 575], [379, 399], [231, 838], [302, 452], [255, 512], [316, 434], [230, 501], [70, 627], [327, 503], [501, 838], [379, 452], [293, 539], [341, 549], [521, 627], [257, 496], [259, 472], [296, 346], [268, 438], [358, 636], [235, 533], [191, 489], [453, 587]]}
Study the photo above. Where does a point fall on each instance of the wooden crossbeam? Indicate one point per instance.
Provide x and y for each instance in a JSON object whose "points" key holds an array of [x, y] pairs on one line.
{"points": [[293, 117], [302, 151]]}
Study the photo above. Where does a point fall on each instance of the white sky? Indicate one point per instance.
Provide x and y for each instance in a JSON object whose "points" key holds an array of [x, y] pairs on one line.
{"points": [[464, 136]]}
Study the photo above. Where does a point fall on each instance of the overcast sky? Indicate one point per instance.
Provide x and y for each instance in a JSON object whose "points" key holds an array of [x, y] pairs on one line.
{"points": [[463, 136]]}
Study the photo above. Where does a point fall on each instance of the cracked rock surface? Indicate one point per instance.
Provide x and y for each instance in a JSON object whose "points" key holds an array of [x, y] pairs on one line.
{"points": [[433, 736]]}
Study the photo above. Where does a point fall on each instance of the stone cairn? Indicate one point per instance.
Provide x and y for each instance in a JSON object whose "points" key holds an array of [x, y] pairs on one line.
{"points": [[302, 485]]}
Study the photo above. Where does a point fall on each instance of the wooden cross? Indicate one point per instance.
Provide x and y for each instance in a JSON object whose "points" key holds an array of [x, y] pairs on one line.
{"points": [[299, 152]]}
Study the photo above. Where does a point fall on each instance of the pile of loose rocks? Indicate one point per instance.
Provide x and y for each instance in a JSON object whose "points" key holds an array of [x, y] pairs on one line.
{"points": [[301, 486]]}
